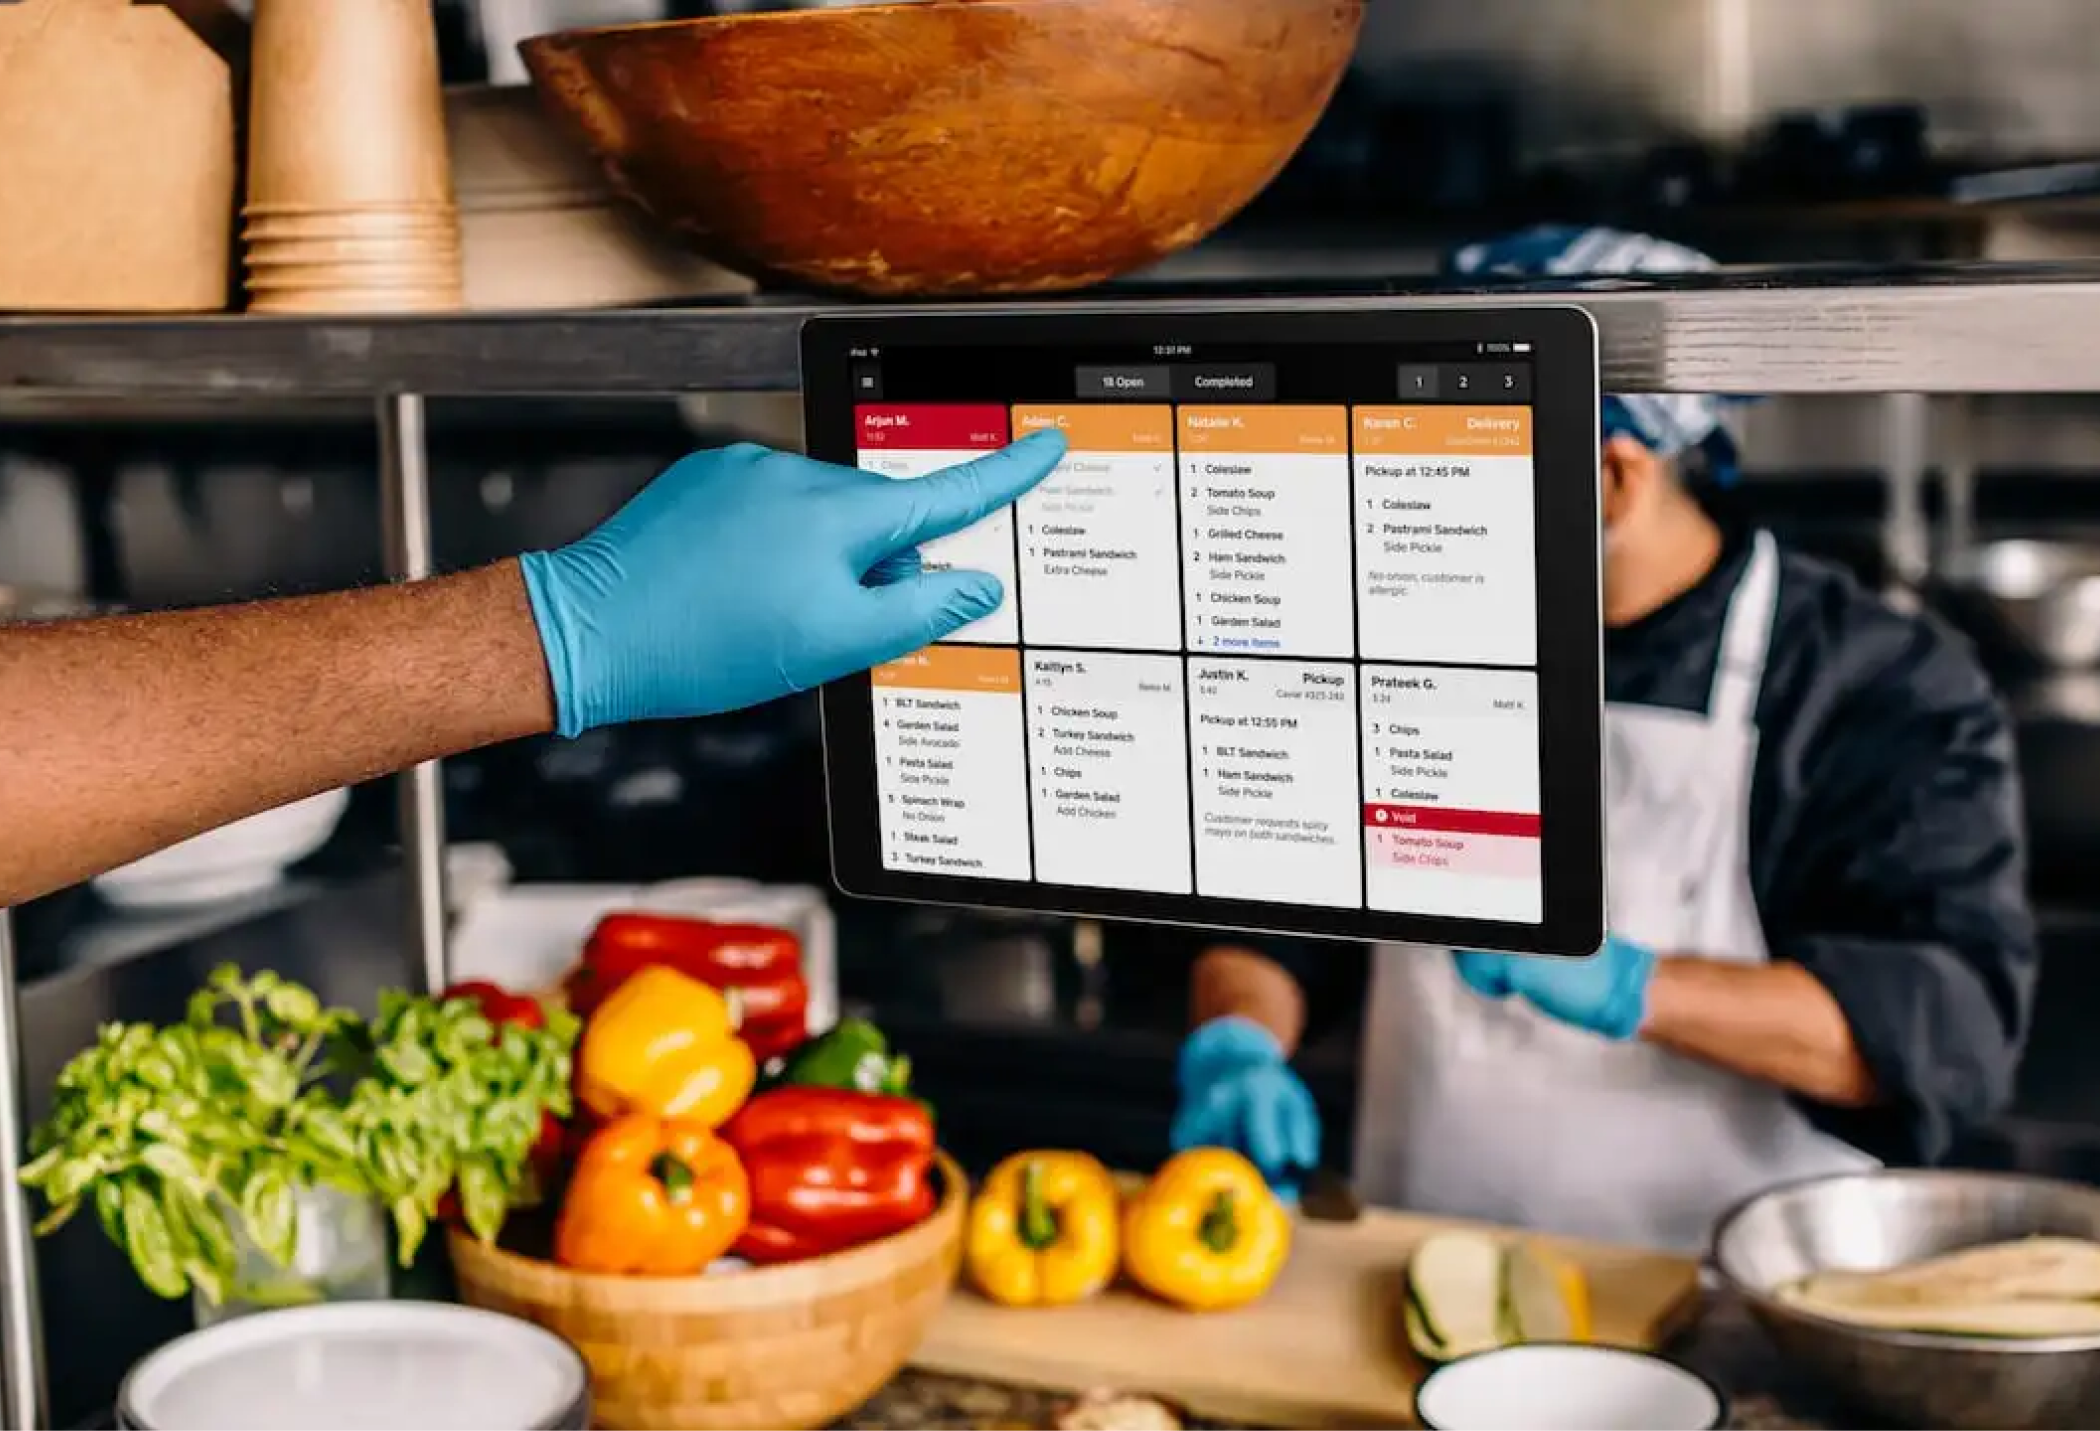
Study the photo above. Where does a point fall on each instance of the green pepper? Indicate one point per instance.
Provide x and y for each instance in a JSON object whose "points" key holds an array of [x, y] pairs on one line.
{"points": [[855, 1055]]}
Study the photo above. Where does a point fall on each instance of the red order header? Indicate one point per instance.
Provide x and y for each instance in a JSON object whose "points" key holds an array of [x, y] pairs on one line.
{"points": [[932, 427], [1436, 819]]}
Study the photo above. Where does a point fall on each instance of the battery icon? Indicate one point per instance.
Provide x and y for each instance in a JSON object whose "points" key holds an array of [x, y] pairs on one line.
{"points": [[1520, 347]]}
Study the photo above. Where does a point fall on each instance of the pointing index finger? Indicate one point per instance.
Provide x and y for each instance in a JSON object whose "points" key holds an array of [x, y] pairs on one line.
{"points": [[924, 508]]}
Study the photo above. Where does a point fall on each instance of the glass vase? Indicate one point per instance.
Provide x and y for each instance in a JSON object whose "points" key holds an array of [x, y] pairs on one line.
{"points": [[340, 1256]]}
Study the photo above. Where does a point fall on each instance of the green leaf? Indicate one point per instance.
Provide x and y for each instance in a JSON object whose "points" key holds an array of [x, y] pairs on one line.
{"points": [[109, 1209], [563, 1027], [191, 1251], [44, 1165], [173, 1163], [208, 1228], [147, 1239], [322, 1125], [53, 1220], [484, 1197], [71, 1180], [408, 1063], [156, 1069], [291, 1004], [272, 1079], [410, 1225], [384, 1158], [271, 1211]]}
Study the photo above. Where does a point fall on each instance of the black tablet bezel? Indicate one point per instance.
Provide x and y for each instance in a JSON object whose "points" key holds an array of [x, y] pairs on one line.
{"points": [[1570, 655]]}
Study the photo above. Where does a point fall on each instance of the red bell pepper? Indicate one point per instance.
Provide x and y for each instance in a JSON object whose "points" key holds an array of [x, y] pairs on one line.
{"points": [[759, 965], [831, 1168], [500, 1006]]}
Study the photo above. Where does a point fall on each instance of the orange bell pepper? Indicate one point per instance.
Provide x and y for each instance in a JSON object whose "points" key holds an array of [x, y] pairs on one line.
{"points": [[652, 1197], [664, 1044]]}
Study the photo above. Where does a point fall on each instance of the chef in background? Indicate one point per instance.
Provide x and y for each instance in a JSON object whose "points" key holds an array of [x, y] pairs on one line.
{"points": [[1821, 957]]}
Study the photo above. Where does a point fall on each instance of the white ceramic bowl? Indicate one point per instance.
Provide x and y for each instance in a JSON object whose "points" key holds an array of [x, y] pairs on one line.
{"points": [[243, 858], [1553, 1387], [377, 1365]]}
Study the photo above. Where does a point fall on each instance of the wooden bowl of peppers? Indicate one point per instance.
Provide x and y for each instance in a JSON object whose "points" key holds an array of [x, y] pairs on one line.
{"points": [[754, 1227]]}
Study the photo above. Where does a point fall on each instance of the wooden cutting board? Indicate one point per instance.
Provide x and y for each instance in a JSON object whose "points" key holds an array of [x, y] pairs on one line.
{"points": [[1324, 1348]]}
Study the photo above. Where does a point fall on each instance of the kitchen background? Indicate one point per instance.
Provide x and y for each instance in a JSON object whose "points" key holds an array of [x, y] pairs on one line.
{"points": [[1773, 131]]}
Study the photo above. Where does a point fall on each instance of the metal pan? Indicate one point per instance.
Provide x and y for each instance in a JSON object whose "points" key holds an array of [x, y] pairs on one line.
{"points": [[2038, 601]]}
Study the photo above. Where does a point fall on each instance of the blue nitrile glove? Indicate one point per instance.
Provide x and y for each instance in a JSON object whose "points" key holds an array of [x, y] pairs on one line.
{"points": [[745, 574], [1238, 1092], [1606, 993]]}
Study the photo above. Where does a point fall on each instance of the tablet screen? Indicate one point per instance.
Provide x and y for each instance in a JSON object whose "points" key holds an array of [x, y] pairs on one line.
{"points": [[1271, 652]]}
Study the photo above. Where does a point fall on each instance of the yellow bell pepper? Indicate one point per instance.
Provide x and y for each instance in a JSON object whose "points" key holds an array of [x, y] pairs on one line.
{"points": [[1043, 1231], [1206, 1233], [666, 1045]]}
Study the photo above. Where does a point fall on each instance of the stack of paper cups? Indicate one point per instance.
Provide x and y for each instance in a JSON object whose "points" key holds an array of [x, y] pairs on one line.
{"points": [[350, 206]]}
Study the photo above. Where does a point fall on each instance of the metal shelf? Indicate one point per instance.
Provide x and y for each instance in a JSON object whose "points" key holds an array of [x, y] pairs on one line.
{"points": [[1958, 328]]}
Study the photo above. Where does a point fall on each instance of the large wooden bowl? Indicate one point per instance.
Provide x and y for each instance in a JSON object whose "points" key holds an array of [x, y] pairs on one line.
{"points": [[792, 1346], [951, 147]]}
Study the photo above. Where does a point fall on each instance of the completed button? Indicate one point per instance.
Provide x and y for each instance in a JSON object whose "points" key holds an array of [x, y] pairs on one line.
{"points": [[1225, 382], [1123, 383]]}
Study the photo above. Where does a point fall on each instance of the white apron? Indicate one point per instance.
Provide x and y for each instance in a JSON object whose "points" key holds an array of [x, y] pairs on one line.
{"points": [[1481, 1108]]}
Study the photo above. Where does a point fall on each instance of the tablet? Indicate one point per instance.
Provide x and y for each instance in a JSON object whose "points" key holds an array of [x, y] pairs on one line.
{"points": [[1302, 637]]}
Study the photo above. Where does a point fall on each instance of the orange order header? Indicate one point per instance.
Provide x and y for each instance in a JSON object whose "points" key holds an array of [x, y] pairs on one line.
{"points": [[993, 669], [1102, 427], [1265, 429], [1443, 431]]}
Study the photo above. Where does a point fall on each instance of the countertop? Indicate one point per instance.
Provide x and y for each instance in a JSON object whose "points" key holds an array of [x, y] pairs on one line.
{"points": [[1764, 1392], [1762, 1396]]}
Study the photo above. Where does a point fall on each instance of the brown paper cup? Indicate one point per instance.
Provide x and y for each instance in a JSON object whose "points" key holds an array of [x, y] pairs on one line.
{"points": [[359, 301], [348, 225], [261, 210], [345, 107], [325, 280], [294, 253]]}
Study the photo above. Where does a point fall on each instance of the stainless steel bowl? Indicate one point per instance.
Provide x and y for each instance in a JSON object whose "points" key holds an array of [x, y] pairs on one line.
{"points": [[1865, 1221], [2040, 598]]}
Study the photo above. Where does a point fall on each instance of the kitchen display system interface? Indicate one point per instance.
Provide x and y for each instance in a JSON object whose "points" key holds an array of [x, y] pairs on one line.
{"points": [[1283, 647]]}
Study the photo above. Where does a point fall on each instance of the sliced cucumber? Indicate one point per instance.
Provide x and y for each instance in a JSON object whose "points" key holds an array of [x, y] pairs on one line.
{"points": [[1427, 1345], [1546, 1296], [1456, 1292]]}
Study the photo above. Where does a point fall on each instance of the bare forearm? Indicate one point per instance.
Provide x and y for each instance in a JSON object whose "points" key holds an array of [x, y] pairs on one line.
{"points": [[119, 737], [1233, 981], [1772, 1022]]}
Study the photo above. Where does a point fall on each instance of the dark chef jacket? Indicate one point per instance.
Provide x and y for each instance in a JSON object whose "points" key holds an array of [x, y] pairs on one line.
{"points": [[1887, 853]]}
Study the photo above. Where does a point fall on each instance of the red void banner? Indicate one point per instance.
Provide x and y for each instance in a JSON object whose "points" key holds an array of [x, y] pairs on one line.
{"points": [[931, 427], [1442, 820]]}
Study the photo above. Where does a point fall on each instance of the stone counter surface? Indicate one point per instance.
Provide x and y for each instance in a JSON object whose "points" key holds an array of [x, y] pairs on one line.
{"points": [[1765, 1393]]}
